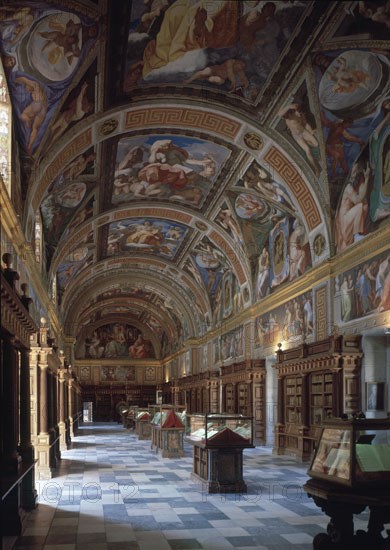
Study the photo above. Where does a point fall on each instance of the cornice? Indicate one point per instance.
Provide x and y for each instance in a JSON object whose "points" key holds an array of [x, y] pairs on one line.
{"points": [[11, 224]]}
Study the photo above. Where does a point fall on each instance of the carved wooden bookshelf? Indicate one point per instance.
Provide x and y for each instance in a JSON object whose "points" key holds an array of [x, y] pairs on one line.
{"points": [[315, 382]]}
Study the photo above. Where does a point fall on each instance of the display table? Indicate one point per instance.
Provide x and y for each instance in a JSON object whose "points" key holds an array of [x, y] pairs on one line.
{"points": [[167, 427], [350, 472], [129, 417], [142, 424], [218, 443]]}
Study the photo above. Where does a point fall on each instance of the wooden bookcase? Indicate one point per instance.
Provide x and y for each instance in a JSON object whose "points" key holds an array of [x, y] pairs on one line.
{"points": [[321, 397], [293, 391], [316, 382], [105, 398], [243, 392]]}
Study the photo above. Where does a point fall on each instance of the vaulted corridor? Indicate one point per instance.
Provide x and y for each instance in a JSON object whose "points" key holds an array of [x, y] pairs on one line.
{"points": [[113, 493]]}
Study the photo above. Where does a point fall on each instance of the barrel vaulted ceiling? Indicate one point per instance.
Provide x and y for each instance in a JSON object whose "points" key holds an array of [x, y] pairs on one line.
{"points": [[187, 158]]}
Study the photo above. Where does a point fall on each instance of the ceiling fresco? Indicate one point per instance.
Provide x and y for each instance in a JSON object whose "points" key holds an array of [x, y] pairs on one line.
{"points": [[189, 158], [166, 168], [228, 46]]}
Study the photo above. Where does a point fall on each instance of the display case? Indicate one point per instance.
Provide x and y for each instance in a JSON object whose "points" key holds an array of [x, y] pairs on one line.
{"points": [[220, 430], [353, 452], [128, 417], [350, 471], [218, 442], [167, 431], [142, 424]]}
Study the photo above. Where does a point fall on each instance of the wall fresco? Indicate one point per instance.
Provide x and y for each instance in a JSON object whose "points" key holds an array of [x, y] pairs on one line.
{"points": [[115, 340], [291, 322], [363, 290]]}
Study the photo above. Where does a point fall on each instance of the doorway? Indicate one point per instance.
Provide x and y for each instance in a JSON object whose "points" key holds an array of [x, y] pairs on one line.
{"points": [[88, 411]]}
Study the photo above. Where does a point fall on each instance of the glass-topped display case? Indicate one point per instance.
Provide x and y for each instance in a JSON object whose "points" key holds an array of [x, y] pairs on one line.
{"points": [[142, 423], [220, 430], [166, 407], [168, 428], [218, 443], [349, 472], [353, 452], [142, 415], [129, 416], [168, 418]]}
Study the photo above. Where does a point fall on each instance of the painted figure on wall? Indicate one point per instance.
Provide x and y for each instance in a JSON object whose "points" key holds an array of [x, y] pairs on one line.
{"points": [[351, 217], [211, 263], [291, 322], [78, 258], [57, 44], [226, 219], [364, 289], [380, 161], [298, 123], [366, 20], [352, 86], [232, 344], [57, 210], [115, 340]]}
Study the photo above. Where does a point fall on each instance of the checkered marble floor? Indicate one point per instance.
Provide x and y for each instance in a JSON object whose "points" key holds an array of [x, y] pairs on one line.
{"points": [[111, 492]]}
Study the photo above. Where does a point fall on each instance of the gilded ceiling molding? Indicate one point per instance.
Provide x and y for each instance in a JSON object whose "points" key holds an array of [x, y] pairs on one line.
{"points": [[200, 119], [166, 213], [322, 312]]}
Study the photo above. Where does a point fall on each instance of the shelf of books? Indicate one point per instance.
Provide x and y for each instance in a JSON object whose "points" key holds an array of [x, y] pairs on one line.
{"points": [[293, 392], [321, 397]]}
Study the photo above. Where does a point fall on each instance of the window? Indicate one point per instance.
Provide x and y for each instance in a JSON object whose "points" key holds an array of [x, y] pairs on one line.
{"points": [[5, 132], [38, 239], [54, 289]]}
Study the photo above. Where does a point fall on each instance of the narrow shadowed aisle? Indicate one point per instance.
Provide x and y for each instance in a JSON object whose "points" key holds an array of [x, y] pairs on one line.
{"points": [[113, 493]]}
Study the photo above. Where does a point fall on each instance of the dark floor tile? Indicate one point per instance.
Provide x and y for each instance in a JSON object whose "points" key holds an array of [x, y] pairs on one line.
{"points": [[238, 542], [57, 538], [29, 541], [131, 545], [184, 544], [84, 538]]}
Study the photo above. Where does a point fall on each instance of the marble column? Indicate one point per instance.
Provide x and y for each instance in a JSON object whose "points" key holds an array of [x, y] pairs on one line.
{"points": [[61, 402], [71, 402], [44, 466]]}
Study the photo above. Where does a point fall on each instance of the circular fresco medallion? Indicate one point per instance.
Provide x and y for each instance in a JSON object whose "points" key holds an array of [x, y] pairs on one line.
{"points": [[253, 141]]}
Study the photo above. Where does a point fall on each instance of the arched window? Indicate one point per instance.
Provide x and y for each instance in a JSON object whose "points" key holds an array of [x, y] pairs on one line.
{"points": [[5, 132], [38, 239], [54, 289]]}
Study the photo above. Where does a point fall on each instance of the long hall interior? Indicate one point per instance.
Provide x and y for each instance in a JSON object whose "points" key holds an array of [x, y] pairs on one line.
{"points": [[195, 273]]}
